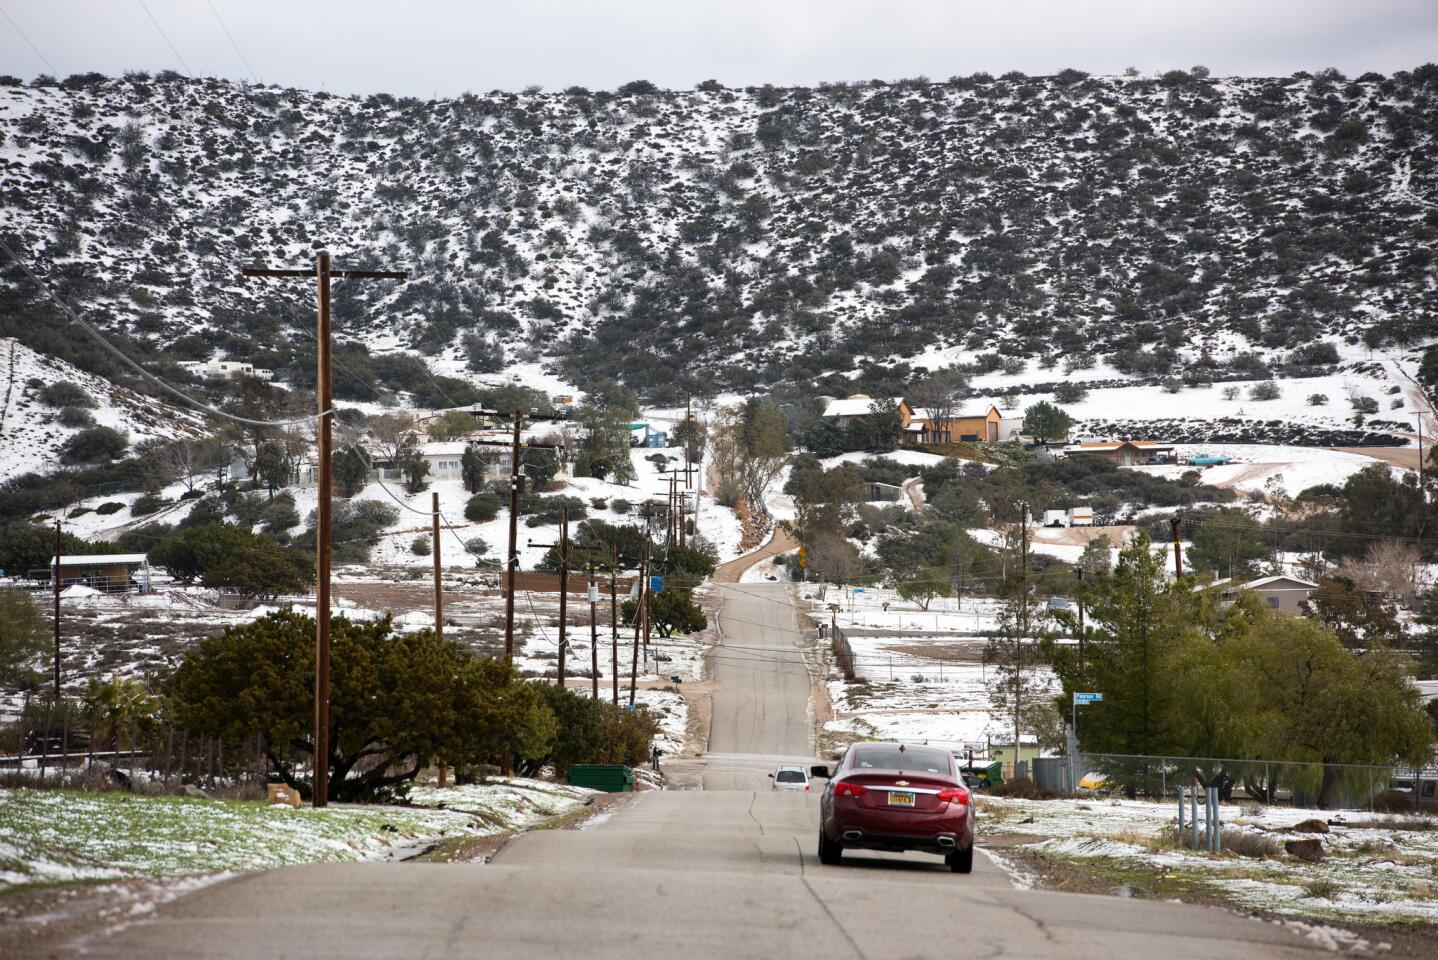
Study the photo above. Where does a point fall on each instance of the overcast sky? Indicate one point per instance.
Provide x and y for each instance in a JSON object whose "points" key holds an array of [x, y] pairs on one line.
{"points": [[446, 47]]}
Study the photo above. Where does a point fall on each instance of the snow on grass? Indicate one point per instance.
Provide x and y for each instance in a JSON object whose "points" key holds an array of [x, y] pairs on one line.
{"points": [[51, 836], [504, 803], [1256, 466], [56, 836], [1382, 868]]}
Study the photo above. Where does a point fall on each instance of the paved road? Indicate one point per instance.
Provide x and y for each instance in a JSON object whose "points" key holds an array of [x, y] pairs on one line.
{"points": [[727, 871]]}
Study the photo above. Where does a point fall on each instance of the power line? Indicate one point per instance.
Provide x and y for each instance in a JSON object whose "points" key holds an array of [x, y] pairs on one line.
{"points": [[188, 71], [124, 358], [231, 38], [32, 46]]}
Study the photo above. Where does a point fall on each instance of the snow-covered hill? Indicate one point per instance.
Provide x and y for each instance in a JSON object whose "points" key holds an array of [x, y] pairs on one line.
{"points": [[729, 238], [31, 432]]}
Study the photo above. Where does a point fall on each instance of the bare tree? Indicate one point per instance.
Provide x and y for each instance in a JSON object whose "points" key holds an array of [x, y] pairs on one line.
{"points": [[1389, 567], [390, 430], [833, 558], [939, 394]]}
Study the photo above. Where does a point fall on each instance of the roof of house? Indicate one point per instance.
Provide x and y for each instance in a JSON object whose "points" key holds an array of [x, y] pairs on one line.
{"points": [[98, 559], [855, 405], [1281, 581], [1096, 446], [453, 448], [922, 413]]}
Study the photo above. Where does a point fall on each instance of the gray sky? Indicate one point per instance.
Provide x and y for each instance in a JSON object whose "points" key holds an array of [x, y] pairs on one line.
{"points": [[445, 47]]}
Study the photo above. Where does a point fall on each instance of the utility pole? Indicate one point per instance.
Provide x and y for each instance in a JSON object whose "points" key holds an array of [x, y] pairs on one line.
{"points": [[593, 595], [515, 481], [55, 583], [1080, 619], [324, 509], [1173, 523], [1023, 632], [1422, 495], [438, 583], [438, 601], [563, 588], [640, 609], [614, 621]]}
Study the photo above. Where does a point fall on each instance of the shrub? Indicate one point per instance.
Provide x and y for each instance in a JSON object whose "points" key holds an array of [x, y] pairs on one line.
{"points": [[1172, 385], [1070, 393], [147, 504], [73, 416], [1023, 789], [482, 507], [109, 507], [477, 546], [1267, 390], [420, 546], [620, 505], [94, 445], [63, 393], [599, 503], [1248, 844], [1317, 399], [1230, 392]]}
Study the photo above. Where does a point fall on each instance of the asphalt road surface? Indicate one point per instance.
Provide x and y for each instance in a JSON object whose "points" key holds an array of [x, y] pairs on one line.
{"points": [[727, 871]]}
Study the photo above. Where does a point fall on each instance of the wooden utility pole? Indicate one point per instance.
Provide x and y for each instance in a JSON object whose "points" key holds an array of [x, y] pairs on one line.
{"points": [[614, 620], [1173, 523], [640, 608], [515, 481], [1023, 632], [438, 582], [55, 582], [1080, 619], [1422, 494], [563, 587], [324, 389], [593, 595]]}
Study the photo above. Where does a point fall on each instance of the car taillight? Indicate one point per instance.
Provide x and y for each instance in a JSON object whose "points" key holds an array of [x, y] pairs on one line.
{"points": [[954, 795], [846, 789]]}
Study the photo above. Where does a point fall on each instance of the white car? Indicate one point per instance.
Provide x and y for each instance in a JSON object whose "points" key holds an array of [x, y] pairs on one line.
{"points": [[791, 778]]}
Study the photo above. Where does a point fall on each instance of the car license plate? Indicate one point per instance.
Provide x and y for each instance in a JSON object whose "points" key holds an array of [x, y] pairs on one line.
{"points": [[897, 799]]}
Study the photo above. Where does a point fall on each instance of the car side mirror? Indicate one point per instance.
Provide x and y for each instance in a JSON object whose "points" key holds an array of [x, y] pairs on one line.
{"points": [[771, 776], [820, 771]]}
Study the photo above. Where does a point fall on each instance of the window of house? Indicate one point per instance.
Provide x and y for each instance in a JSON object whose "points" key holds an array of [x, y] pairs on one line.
{"points": [[1273, 602]]}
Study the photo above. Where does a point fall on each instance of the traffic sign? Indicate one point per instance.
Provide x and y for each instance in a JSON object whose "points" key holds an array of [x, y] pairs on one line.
{"points": [[656, 584], [1087, 697], [858, 589]]}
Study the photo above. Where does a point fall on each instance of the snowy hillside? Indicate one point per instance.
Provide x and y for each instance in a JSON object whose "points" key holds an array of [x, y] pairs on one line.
{"points": [[31, 432], [727, 238]]}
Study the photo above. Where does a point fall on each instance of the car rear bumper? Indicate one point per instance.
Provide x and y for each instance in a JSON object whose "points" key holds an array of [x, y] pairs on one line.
{"points": [[900, 830]]}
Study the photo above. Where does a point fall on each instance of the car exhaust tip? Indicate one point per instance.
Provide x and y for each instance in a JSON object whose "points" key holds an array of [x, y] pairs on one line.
{"points": [[947, 842], [853, 834]]}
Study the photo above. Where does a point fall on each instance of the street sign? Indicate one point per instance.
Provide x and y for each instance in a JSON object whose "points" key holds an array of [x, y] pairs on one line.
{"points": [[858, 589], [1087, 697], [656, 584]]}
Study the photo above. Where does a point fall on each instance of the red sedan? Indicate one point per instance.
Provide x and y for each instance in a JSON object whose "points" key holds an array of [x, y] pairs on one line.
{"points": [[895, 796]]}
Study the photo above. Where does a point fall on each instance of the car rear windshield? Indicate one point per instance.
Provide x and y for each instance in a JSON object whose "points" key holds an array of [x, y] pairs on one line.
{"points": [[789, 776], [917, 759]]}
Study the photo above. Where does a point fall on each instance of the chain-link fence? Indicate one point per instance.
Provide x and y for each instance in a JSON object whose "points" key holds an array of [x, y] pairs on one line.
{"points": [[1316, 785]]}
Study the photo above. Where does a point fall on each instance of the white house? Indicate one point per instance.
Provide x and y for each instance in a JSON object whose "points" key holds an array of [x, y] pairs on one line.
{"points": [[225, 369], [845, 409]]}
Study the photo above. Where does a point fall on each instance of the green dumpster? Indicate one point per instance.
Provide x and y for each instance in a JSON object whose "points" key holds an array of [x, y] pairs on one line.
{"points": [[609, 777], [989, 775]]}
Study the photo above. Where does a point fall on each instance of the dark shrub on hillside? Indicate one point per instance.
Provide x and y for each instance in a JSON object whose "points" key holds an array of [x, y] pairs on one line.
{"points": [[63, 393], [94, 445], [482, 507]]}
